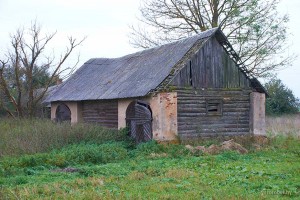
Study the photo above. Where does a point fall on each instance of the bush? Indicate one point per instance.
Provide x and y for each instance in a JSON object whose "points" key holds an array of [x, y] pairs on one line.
{"points": [[286, 142], [144, 149], [70, 155], [155, 149], [281, 99], [93, 153]]}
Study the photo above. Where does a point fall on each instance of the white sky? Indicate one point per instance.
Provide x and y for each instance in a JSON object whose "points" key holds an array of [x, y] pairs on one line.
{"points": [[106, 25]]}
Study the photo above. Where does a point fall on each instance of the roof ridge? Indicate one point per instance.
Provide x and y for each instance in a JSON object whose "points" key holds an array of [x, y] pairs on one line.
{"points": [[113, 78], [201, 35]]}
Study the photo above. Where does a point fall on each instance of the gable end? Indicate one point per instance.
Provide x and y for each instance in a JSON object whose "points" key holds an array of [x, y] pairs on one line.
{"points": [[208, 65]]}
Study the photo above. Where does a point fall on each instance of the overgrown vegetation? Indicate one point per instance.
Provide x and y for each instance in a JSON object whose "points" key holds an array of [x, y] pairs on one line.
{"points": [[25, 136], [288, 125], [106, 167]]}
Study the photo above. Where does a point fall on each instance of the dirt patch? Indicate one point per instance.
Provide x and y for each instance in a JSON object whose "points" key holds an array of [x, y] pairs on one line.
{"points": [[158, 155], [230, 145], [261, 140], [213, 149]]}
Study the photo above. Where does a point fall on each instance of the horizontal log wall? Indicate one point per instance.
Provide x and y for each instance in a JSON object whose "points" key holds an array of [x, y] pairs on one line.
{"points": [[193, 120], [104, 112]]}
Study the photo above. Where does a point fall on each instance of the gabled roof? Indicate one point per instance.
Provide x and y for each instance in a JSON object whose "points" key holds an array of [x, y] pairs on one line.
{"points": [[133, 75]]}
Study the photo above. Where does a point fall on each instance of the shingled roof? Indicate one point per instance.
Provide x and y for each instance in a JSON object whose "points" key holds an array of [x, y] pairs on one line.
{"points": [[133, 75]]}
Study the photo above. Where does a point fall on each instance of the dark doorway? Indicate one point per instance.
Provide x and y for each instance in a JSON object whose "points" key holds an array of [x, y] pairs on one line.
{"points": [[139, 121], [63, 113]]}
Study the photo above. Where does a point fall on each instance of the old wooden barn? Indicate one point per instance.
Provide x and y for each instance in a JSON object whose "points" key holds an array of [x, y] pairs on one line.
{"points": [[196, 87]]}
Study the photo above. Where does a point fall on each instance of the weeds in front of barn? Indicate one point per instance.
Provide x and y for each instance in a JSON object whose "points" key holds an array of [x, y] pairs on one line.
{"points": [[118, 169], [29, 136]]}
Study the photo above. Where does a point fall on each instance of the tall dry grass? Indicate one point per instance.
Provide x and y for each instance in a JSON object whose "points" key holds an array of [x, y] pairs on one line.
{"points": [[27, 136], [283, 125]]}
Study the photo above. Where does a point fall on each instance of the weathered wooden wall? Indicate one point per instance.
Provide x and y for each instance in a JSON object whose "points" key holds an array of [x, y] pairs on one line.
{"points": [[104, 112], [211, 67], [212, 76], [193, 120]]}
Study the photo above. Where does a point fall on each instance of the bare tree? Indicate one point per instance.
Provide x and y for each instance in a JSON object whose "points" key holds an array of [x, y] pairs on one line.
{"points": [[23, 62], [254, 27]]}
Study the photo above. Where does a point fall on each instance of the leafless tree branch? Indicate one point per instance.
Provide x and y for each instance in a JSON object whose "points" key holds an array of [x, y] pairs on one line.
{"points": [[26, 60]]}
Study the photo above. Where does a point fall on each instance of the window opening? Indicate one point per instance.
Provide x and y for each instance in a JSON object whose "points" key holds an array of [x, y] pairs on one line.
{"points": [[214, 107]]}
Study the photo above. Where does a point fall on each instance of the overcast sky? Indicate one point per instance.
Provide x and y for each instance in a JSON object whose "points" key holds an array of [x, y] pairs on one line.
{"points": [[106, 25]]}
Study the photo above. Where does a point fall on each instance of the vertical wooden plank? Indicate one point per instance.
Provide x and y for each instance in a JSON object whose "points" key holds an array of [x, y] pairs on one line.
{"points": [[202, 68], [225, 67], [208, 56], [220, 52], [211, 67], [196, 71]]}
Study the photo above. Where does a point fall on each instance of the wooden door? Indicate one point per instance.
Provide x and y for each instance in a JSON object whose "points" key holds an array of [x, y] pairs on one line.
{"points": [[63, 113], [139, 121]]}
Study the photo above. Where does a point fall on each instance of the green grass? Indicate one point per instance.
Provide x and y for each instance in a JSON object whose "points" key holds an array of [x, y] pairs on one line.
{"points": [[116, 170], [109, 166]]}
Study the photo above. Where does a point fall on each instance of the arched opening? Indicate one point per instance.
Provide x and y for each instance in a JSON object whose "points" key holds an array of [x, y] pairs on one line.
{"points": [[63, 113], [139, 121]]}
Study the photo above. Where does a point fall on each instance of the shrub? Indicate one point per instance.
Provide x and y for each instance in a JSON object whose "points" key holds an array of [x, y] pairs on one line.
{"points": [[94, 153], [69, 155], [281, 99], [286, 142], [154, 148], [144, 149]]}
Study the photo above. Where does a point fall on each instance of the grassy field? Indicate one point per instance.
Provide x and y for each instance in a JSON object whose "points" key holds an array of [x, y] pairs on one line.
{"points": [[284, 125], [109, 167], [25, 136]]}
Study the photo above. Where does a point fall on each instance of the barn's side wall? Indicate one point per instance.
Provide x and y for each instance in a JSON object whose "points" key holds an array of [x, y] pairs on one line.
{"points": [[75, 108], [102, 112], [210, 80], [257, 113], [195, 122], [164, 114]]}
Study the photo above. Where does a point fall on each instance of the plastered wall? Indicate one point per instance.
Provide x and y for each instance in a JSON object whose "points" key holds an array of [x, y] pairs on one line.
{"points": [[164, 114], [257, 113], [75, 108]]}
